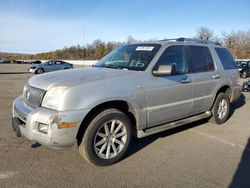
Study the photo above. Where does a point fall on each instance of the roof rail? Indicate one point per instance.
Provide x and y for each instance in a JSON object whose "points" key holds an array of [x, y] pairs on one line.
{"points": [[193, 40]]}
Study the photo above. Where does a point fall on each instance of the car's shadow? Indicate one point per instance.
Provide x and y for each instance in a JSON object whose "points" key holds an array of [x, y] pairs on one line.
{"points": [[138, 144], [241, 177], [237, 104]]}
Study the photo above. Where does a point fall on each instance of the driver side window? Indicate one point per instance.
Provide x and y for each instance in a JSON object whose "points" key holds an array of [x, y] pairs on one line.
{"points": [[49, 63], [175, 55]]}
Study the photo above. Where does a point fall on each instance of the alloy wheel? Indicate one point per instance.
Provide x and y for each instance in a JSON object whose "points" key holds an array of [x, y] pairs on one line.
{"points": [[110, 139]]}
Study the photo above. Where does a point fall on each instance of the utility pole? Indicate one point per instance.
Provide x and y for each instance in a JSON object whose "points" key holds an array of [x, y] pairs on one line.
{"points": [[83, 41]]}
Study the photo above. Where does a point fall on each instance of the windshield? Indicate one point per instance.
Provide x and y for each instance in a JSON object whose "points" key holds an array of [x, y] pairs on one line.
{"points": [[131, 57]]}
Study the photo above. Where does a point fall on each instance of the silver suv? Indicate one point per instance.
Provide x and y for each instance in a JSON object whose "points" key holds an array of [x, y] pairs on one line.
{"points": [[138, 89]]}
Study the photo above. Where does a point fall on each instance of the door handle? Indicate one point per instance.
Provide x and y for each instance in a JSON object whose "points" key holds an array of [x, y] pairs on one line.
{"points": [[216, 76], [185, 81]]}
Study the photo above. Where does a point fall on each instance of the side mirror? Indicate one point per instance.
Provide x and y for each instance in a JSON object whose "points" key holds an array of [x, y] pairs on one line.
{"points": [[165, 70]]}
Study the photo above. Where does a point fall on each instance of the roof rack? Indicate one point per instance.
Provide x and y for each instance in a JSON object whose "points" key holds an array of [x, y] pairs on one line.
{"points": [[193, 40]]}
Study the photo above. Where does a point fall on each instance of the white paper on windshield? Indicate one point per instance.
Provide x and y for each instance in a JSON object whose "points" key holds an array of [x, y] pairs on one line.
{"points": [[144, 48]]}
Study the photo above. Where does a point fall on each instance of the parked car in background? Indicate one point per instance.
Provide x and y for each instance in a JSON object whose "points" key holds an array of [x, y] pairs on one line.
{"points": [[36, 62], [137, 89], [5, 62], [48, 66], [246, 86], [244, 68]]}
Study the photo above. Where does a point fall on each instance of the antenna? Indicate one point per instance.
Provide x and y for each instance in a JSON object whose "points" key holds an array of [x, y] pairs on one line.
{"points": [[83, 41]]}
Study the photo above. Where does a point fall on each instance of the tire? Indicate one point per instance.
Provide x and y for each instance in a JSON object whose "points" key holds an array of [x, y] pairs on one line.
{"points": [[100, 145], [220, 109], [39, 71], [244, 74]]}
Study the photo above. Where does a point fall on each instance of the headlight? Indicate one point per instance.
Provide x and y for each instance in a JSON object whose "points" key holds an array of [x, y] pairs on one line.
{"points": [[240, 69], [53, 97]]}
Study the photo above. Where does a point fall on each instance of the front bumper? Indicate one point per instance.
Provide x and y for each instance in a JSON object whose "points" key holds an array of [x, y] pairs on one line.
{"points": [[32, 70], [27, 120]]}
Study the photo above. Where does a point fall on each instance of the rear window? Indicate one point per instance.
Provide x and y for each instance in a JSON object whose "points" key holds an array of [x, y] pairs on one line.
{"points": [[226, 58], [201, 59]]}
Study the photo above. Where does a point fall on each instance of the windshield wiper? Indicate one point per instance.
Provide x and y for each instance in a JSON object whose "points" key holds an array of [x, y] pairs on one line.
{"points": [[111, 66]]}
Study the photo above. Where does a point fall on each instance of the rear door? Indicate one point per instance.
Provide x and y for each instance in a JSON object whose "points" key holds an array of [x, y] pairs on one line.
{"points": [[205, 78], [59, 65]]}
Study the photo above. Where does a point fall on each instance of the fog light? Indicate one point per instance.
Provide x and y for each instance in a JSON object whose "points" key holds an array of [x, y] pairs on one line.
{"points": [[43, 128]]}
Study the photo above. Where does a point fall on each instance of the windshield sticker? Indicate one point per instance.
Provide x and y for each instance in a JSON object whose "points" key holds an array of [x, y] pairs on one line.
{"points": [[144, 48]]}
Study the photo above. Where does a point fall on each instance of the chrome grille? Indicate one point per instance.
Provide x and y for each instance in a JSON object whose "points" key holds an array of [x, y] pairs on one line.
{"points": [[33, 96]]}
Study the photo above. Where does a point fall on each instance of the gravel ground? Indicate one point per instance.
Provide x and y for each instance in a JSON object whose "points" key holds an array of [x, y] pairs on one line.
{"points": [[195, 155]]}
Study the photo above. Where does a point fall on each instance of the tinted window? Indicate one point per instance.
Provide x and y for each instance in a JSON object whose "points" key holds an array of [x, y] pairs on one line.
{"points": [[175, 55], [226, 58], [49, 63], [201, 58], [59, 62]]}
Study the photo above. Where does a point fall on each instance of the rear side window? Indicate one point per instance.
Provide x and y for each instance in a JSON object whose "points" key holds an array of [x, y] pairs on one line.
{"points": [[201, 59], [226, 58], [59, 62]]}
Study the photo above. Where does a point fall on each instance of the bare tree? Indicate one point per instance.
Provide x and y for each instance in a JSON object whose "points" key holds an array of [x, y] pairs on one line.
{"points": [[130, 40], [204, 33], [238, 43]]}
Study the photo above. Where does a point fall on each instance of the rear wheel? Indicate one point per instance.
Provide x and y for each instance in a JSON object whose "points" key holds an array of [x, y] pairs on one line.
{"points": [[220, 109], [107, 138]]}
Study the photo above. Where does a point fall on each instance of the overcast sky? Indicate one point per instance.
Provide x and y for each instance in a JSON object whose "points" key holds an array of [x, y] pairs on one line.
{"points": [[31, 26]]}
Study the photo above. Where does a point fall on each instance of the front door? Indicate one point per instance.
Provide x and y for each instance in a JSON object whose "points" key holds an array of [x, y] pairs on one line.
{"points": [[169, 98]]}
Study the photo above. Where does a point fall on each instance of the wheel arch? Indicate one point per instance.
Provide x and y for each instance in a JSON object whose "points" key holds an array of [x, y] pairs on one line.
{"points": [[39, 68], [121, 105], [223, 89]]}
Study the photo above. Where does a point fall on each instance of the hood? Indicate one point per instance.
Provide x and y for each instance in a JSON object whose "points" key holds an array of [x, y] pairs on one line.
{"points": [[73, 77]]}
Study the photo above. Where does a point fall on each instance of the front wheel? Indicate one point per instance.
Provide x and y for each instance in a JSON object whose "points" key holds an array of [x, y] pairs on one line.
{"points": [[107, 138], [39, 71], [220, 109]]}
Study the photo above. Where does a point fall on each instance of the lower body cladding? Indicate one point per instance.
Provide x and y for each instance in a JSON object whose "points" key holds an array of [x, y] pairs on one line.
{"points": [[50, 128]]}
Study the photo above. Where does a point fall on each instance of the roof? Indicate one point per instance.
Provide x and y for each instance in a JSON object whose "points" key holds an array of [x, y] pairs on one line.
{"points": [[183, 40]]}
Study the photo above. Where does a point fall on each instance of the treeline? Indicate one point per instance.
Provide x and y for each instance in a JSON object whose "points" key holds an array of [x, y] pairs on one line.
{"points": [[93, 51], [237, 41]]}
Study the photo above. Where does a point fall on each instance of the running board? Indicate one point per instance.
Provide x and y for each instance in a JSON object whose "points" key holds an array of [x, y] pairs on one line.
{"points": [[160, 128]]}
